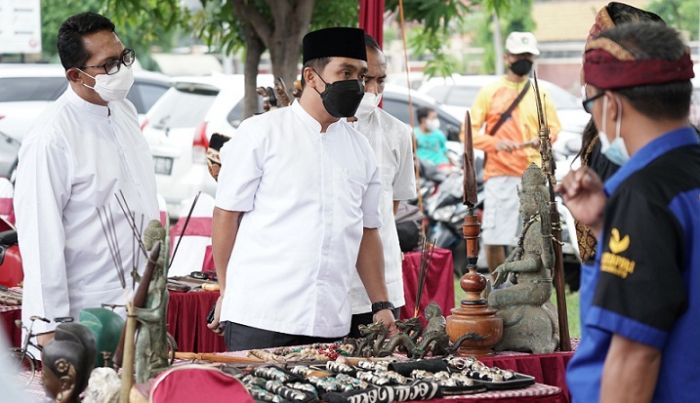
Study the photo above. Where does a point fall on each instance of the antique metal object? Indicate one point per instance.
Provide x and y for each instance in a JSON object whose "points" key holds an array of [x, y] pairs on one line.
{"points": [[549, 166], [68, 361], [473, 327], [529, 323], [152, 338]]}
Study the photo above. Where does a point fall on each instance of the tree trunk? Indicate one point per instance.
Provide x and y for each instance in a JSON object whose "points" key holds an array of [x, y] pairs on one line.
{"points": [[291, 23], [498, 45], [283, 37], [285, 59], [254, 49]]}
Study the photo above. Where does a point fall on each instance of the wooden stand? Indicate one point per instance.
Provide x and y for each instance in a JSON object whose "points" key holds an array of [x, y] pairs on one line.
{"points": [[473, 322]]}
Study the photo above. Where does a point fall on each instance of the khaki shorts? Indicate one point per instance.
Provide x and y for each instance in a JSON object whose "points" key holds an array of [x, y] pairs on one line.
{"points": [[501, 211]]}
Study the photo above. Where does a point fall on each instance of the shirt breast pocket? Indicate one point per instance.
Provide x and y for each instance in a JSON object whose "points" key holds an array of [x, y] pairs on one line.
{"points": [[351, 186]]}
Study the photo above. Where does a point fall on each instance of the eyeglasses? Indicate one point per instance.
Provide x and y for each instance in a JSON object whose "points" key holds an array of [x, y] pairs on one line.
{"points": [[588, 102], [112, 66]]}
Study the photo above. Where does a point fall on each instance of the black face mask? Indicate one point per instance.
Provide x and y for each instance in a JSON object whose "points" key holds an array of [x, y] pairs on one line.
{"points": [[522, 67], [342, 98]]}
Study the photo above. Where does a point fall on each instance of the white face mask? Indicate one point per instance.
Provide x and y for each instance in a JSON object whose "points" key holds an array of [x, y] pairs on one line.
{"points": [[113, 87], [433, 124], [370, 102], [615, 151]]}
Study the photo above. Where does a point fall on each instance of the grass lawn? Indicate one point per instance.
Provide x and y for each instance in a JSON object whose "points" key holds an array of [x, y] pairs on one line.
{"points": [[572, 308]]}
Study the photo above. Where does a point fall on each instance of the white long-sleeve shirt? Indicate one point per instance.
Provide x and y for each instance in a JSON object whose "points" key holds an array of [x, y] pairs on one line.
{"points": [[306, 196], [74, 161], [391, 141]]}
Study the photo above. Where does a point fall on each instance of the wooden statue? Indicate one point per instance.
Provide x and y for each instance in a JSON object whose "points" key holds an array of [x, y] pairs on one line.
{"points": [[68, 361], [529, 324], [152, 340]]}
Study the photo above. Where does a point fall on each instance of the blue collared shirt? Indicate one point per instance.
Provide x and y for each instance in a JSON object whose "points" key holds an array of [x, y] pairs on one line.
{"points": [[645, 282]]}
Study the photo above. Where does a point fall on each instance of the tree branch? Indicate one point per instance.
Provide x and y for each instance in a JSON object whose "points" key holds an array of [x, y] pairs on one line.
{"points": [[280, 10], [302, 14], [249, 13]]}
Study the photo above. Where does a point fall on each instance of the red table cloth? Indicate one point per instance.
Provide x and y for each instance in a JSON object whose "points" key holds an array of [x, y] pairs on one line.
{"points": [[439, 283], [548, 369], [187, 314]]}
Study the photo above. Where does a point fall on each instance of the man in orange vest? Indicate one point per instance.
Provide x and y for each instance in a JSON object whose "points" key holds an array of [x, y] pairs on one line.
{"points": [[507, 111]]}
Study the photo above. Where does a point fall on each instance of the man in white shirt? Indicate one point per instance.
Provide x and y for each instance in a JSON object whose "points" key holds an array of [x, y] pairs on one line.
{"points": [[85, 148], [299, 195], [391, 141]]}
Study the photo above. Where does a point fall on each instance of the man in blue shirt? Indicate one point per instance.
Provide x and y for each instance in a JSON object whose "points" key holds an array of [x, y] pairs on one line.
{"points": [[640, 298]]}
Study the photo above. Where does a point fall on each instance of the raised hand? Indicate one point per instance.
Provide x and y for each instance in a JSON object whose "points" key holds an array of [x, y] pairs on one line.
{"points": [[583, 194]]}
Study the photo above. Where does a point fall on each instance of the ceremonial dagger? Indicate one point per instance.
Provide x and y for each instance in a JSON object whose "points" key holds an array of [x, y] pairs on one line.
{"points": [[469, 197], [548, 167]]}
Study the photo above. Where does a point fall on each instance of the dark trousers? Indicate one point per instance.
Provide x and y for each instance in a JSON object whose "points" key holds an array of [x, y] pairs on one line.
{"points": [[241, 337], [365, 319]]}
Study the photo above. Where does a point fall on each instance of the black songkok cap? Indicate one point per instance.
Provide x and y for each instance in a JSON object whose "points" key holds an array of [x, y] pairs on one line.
{"points": [[335, 42]]}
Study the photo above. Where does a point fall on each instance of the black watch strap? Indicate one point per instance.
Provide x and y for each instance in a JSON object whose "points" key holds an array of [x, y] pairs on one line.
{"points": [[381, 305]]}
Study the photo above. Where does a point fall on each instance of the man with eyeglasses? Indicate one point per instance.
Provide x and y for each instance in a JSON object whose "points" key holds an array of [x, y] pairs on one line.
{"points": [[640, 311], [84, 150], [609, 16]]}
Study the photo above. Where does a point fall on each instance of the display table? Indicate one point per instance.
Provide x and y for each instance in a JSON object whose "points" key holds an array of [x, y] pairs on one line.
{"points": [[187, 311], [535, 393], [187, 314], [538, 392], [548, 369]]}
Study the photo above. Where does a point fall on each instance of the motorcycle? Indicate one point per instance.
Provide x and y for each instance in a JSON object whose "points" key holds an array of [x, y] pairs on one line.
{"points": [[445, 212]]}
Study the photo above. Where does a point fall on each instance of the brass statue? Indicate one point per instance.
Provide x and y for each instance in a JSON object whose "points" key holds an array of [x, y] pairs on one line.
{"points": [[434, 338], [411, 339], [152, 341], [523, 302], [68, 361], [411, 327], [372, 340]]}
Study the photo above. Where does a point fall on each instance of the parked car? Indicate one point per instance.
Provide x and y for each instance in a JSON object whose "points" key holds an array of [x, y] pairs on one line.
{"points": [[178, 128], [28, 88], [395, 101]]}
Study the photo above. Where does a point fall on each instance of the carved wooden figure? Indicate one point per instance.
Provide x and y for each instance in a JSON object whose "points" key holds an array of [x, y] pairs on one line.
{"points": [[68, 361]]}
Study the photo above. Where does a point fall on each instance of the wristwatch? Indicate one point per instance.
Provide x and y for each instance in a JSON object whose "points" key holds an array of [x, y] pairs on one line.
{"points": [[381, 305]]}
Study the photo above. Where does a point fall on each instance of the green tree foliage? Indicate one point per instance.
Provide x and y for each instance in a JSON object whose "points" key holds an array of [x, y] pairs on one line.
{"points": [[513, 15], [680, 14], [436, 18], [139, 23], [275, 25], [219, 26]]}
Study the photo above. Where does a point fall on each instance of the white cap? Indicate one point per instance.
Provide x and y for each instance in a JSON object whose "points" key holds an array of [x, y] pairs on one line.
{"points": [[521, 42]]}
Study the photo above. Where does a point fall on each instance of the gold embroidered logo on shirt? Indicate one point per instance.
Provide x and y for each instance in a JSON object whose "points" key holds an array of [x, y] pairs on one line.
{"points": [[611, 262], [616, 244]]}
